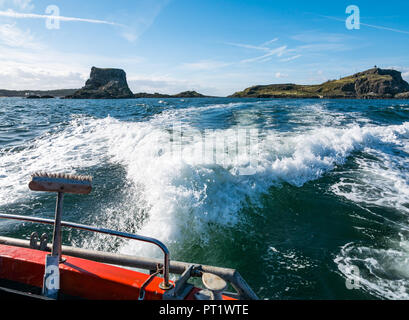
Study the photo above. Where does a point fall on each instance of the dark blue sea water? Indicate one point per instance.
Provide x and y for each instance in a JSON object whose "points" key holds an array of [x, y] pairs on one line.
{"points": [[298, 195]]}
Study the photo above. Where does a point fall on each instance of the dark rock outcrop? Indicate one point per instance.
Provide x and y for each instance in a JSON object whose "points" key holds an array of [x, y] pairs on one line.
{"points": [[151, 95], [185, 94], [403, 95], [380, 82], [189, 94], [374, 83], [40, 93], [40, 97], [104, 84]]}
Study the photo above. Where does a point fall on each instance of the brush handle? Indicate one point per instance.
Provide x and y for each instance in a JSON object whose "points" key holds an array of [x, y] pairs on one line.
{"points": [[57, 239], [59, 185]]}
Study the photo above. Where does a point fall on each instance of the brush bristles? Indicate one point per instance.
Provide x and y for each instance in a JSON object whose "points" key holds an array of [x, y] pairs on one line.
{"points": [[62, 176]]}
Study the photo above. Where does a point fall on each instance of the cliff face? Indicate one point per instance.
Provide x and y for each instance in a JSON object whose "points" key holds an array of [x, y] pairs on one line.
{"points": [[104, 84], [380, 82], [374, 83]]}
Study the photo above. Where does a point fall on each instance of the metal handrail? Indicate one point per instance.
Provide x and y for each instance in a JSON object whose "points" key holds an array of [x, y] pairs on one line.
{"points": [[164, 285]]}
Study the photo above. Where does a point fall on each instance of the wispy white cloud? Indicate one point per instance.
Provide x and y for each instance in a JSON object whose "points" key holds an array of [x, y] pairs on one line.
{"points": [[262, 47], [323, 47], [20, 15], [23, 5], [131, 26], [204, 65], [269, 42], [23, 78], [24, 64], [281, 75], [12, 36], [165, 84], [129, 36], [370, 25], [314, 36], [317, 41], [136, 26], [33, 69], [271, 52], [384, 28], [20, 69], [291, 58], [248, 46]]}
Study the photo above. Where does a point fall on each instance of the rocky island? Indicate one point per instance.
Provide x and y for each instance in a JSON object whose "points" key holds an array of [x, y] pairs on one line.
{"points": [[112, 84], [33, 94], [40, 97], [104, 84], [374, 83], [185, 94], [190, 94]]}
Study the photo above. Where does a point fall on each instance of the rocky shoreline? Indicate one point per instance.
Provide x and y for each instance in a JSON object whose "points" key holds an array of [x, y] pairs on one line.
{"points": [[35, 94], [374, 83], [111, 83]]}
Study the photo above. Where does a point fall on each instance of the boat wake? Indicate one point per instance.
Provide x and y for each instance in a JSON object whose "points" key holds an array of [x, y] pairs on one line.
{"points": [[175, 191]]}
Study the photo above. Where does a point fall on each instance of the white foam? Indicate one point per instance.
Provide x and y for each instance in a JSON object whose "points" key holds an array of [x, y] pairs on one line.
{"points": [[185, 194], [181, 196], [77, 146], [381, 180], [381, 272]]}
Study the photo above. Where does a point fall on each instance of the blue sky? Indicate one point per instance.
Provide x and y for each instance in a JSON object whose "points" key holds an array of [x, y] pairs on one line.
{"points": [[215, 47]]}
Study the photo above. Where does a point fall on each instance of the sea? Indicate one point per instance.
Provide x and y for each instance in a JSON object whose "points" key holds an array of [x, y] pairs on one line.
{"points": [[307, 199]]}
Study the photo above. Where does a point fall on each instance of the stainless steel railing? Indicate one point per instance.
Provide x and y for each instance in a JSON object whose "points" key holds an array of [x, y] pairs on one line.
{"points": [[165, 285]]}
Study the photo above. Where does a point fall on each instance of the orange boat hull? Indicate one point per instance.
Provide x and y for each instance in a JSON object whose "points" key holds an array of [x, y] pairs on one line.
{"points": [[78, 277]]}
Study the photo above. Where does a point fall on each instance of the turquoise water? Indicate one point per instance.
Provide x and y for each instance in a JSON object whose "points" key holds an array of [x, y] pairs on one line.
{"points": [[293, 193]]}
